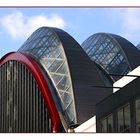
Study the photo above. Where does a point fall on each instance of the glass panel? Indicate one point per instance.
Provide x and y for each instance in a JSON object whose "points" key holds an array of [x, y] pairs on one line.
{"points": [[56, 77], [62, 69], [138, 128], [110, 123], [66, 100], [127, 118], [45, 47], [104, 125], [124, 119], [47, 62], [69, 112], [137, 108], [104, 50], [55, 65], [63, 83], [120, 121]]}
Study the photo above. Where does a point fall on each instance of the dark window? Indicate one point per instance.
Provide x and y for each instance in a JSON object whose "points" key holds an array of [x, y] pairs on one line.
{"points": [[137, 108], [124, 119], [104, 125], [110, 123], [107, 124]]}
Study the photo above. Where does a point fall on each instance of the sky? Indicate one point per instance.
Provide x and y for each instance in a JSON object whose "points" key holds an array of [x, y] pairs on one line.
{"points": [[17, 24]]}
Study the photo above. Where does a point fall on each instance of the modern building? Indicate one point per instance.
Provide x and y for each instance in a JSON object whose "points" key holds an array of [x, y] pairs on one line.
{"points": [[52, 85], [121, 110], [116, 55], [49, 85]]}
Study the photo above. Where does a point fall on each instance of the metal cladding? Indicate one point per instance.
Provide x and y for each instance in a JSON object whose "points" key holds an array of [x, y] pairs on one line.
{"points": [[30, 70], [116, 55], [22, 107], [74, 76], [52, 84]]}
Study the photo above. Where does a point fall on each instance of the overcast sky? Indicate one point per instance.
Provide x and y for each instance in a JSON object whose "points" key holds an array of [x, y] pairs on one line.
{"points": [[17, 24]]}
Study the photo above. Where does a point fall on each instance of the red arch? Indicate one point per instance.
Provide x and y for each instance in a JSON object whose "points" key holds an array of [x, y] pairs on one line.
{"points": [[42, 83]]}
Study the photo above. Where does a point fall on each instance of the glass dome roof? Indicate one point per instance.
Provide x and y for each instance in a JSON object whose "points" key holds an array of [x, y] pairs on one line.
{"points": [[46, 48], [111, 52]]}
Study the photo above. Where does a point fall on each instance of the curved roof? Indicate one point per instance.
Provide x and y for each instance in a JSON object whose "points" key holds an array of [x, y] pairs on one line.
{"points": [[75, 77], [115, 54], [131, 52], [138, 46]]}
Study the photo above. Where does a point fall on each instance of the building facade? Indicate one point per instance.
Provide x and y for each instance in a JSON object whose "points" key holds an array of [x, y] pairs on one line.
{"points": [[54, 65], [121, 110], [52, 85]]}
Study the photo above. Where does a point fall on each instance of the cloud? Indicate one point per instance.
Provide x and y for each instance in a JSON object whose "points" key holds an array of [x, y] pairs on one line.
{"points": [[128, 20], [131, 23], [20, 26]]}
